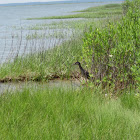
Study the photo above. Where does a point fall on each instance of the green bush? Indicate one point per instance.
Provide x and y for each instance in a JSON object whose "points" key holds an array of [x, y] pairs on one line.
{"points": [[135, 4], [113, 53]]}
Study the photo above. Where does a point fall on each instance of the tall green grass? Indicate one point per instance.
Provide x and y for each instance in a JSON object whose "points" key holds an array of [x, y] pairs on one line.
{"points": [[53, 63], [72, 114]]}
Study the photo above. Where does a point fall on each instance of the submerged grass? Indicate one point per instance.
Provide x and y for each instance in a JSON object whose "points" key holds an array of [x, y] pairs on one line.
{"points": [[60, 114], [93, 12]]}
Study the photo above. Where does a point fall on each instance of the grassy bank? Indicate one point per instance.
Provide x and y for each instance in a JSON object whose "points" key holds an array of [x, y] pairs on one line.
{"points": [[109, 10], [60, 114]]}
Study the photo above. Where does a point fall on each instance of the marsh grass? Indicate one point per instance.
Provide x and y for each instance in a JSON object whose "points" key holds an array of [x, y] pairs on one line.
{"points": [[109, 10], [71, 24], [43, 65], [68, 114], [103, 8], [55, 34]]}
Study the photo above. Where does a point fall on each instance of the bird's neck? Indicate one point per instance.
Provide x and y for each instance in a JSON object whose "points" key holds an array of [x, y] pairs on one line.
{"points": [[80, 66]]}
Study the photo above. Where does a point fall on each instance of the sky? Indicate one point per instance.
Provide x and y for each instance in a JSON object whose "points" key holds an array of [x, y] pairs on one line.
{"points": [[23, 1]]}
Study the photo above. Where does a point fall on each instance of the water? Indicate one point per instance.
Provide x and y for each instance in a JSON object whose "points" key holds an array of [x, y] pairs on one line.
{"points": [[19, 86], [14, 27]]}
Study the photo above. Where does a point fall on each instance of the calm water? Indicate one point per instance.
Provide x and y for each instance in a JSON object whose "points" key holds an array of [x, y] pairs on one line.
{"points": [[12, 87], [13, 34]]}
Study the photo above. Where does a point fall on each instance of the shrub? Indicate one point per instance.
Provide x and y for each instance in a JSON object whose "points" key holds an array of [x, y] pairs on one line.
{"points": [[113, 53]]}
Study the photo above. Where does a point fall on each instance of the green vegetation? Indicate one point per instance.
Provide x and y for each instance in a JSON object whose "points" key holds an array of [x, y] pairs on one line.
{"points": [[64, 24], [107, 8], [56, 62], [55, 34], [108, 108], [113, 53], [60, 114], [93, 12]]}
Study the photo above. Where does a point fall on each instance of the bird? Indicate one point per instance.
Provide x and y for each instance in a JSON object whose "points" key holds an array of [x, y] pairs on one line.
{"points": [[84, 73]]}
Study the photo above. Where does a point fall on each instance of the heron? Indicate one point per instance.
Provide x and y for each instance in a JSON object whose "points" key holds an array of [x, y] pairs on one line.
{"points": [[83, 72]]}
